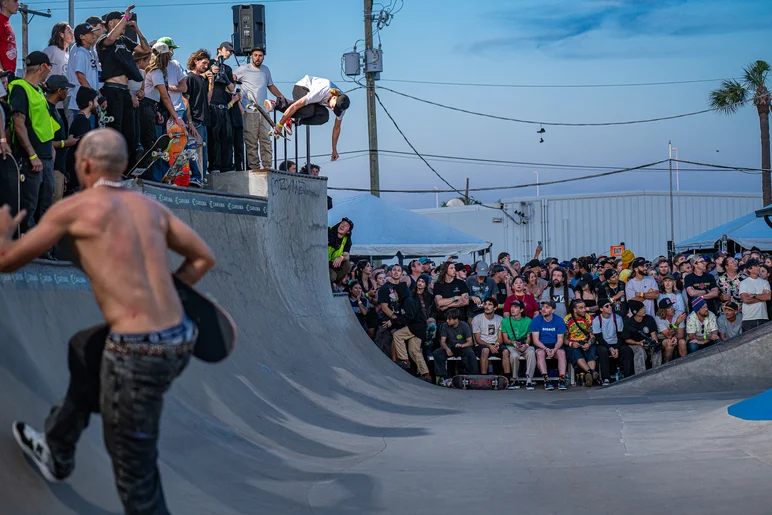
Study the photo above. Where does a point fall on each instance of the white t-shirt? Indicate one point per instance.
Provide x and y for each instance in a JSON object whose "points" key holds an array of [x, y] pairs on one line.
{"points": [[153, 79], [663, 324], [757, 311], [83, 61], [58, 58], [174, 75], [318, 90], [488, 329], [635, 286], [254, 81], [609, 329]]}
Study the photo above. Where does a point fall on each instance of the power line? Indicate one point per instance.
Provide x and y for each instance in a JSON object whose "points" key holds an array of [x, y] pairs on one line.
{"points": [[141, 6], [545, 86], [537, 122], [518, 186]]}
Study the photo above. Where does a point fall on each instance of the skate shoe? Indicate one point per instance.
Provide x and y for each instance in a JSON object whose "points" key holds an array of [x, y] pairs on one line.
{"points": [[34, 445]]}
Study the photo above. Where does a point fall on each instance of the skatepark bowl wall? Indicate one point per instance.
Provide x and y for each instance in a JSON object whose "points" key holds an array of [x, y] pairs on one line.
{"points": [[308, 417]]}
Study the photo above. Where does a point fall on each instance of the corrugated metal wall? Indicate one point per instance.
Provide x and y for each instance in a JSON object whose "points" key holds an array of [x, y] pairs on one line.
{"points": [[580, 225]]}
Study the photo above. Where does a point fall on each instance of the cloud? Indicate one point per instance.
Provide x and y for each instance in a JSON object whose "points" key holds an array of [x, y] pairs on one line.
{"points": [[558, 26]]}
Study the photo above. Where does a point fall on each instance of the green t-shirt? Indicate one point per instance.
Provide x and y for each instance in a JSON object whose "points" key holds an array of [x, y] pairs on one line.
{"points": [[516, 329]]}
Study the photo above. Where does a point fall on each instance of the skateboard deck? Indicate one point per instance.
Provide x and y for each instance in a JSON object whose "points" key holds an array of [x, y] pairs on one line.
{"points": [[255, 107], [217, 333], [179, 137], [153, 154], [480, 382], [176, 174]]}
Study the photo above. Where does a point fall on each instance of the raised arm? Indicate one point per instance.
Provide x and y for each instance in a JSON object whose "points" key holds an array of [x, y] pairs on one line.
{"points": [[47, 233]]}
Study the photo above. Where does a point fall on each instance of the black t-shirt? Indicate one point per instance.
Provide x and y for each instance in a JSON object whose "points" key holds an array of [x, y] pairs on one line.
{"points": [[60, 159], [20, 104], [607, 291], [634, 330], [393, 295], [116, 59], [198, 90], [448, 290], [221, 94], [501, 297], [702, 282], [79, 127]]}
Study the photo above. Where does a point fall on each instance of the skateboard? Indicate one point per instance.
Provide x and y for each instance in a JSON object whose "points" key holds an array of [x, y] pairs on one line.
{"points": [[179, 141], [255, 107], [176, 174], [103, 119], [480, 382], [217, 333], [159, 150]]}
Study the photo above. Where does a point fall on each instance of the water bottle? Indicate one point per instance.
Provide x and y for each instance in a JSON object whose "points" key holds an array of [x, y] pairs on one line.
{"points": [[618, 375]]}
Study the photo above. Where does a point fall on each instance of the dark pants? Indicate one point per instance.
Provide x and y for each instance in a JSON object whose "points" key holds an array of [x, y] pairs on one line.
{"points": [[750, 324], [237, 162], [220, 136], [467, 356], [311, 114], [626, 358], [128, 391], [9, 185], [37, 191], [604, 360], [147, 127], [383, 339], [121, 108]]}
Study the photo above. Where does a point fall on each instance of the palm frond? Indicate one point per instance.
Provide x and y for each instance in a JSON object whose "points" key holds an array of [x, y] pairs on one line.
{"points": [[729, 97], [755, 75]]}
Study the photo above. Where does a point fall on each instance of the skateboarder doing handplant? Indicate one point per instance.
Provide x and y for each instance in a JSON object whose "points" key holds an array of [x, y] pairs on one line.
{"points": [[121, 239], [312, 97]]}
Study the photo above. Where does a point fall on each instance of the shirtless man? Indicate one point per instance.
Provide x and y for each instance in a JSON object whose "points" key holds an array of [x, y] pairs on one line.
{"points": [[121, 239], [118, 67]]}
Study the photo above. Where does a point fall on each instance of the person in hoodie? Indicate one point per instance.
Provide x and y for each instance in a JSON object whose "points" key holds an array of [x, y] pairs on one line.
{"points": [[338, 248], [409, 338]]}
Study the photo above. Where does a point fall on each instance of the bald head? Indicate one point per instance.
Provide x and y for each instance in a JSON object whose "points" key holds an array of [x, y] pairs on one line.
{"points": [[101, 153]]}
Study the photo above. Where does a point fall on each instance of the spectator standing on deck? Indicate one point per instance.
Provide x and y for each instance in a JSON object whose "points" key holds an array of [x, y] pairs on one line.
{"points": [[338, 249], [87, 100], [455, 340], [57, 88], [8, 51], [256, 82], [118, 67], [221, 128], [82, 65], [34, 130], [755, 293], [62, 38], [200, 87]]}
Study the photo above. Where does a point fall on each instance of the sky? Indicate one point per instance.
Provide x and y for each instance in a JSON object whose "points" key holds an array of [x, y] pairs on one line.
{"points": [[542, 43]]}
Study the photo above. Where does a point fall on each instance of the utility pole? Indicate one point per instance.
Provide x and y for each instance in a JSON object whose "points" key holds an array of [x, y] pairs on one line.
{"points": [[25, 21], [466, 192], [372, 129], [670, 167], [72, 14]]}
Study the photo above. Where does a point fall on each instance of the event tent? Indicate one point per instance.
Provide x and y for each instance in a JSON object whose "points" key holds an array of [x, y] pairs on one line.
{"points": [[382, 229], [748, 231]]}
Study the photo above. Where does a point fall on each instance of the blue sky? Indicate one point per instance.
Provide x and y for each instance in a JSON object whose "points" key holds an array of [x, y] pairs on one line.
{"points": [[531, 42]]}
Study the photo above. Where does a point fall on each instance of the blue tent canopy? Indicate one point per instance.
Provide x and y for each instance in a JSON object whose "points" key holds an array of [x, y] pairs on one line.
{"points": [[383, 229], [748, 231]]}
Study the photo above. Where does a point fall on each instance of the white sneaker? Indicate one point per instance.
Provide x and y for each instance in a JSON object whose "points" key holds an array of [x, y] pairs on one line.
{"points": [[34, 445], [214, 171], [269, 105]]}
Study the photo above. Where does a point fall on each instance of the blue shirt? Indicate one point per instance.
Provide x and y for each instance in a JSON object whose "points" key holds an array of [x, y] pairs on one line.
{"points": [[548, 331]]}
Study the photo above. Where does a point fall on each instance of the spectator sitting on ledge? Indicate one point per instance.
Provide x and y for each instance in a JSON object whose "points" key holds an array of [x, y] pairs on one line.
{"points": [[338, 248]]}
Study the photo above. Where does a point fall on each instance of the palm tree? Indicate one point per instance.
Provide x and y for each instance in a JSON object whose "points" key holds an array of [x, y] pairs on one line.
{"points": [[734, 94]]}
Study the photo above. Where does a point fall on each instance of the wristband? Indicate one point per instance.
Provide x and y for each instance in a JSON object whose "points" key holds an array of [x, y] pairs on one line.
{"points": [[3, 140], [281, 125], [127, 17], [62, 143], [33, 156], [230, 104]]}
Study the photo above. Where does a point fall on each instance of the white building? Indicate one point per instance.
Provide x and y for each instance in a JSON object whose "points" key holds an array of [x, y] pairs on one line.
{"points": [[579, 225]]}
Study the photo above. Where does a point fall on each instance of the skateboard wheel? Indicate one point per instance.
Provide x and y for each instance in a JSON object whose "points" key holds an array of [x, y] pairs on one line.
{"points": [[22, 178]]}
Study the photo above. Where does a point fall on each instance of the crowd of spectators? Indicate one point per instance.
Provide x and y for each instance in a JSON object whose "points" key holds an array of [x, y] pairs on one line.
{"points": [[105, 72], [608, 318]]}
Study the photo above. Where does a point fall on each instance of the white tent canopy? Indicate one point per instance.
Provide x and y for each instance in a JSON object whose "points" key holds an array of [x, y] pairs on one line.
{"points": [[383, 229]]}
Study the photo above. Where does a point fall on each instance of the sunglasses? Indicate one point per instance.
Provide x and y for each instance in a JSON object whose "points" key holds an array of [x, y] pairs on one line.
{"points": [[605, 306]]}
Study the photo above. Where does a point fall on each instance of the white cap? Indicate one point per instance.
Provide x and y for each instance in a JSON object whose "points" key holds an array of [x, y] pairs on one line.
{"points": [[161, 48]]}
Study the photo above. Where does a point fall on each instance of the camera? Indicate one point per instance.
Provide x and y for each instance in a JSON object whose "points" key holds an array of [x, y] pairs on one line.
{"points": [[220, 76]]}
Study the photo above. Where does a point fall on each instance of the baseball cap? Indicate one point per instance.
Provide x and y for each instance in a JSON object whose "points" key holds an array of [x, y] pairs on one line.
{"points": [[518, 302], [114, 15], [341, 104], [161, 48], [481, 268], [169, 42], [534, 263], [82, 29], [752, 262], [638, 262], [665, 303], [55, 82], [731, 305], [37, 58], [549, 303], [608, 274], [603, 303], [226, 45], [424, 260]]}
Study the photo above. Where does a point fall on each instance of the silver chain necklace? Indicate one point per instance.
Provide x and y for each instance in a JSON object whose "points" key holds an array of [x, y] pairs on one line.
{"points": [[108, 183]]}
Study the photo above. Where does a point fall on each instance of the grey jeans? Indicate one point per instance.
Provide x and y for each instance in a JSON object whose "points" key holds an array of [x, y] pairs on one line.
{"points": [[37, 191], [258, 142], [126, 384]]}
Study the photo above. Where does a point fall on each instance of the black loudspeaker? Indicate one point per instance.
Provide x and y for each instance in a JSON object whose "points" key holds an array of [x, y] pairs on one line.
{"points": [[248, 28]]}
